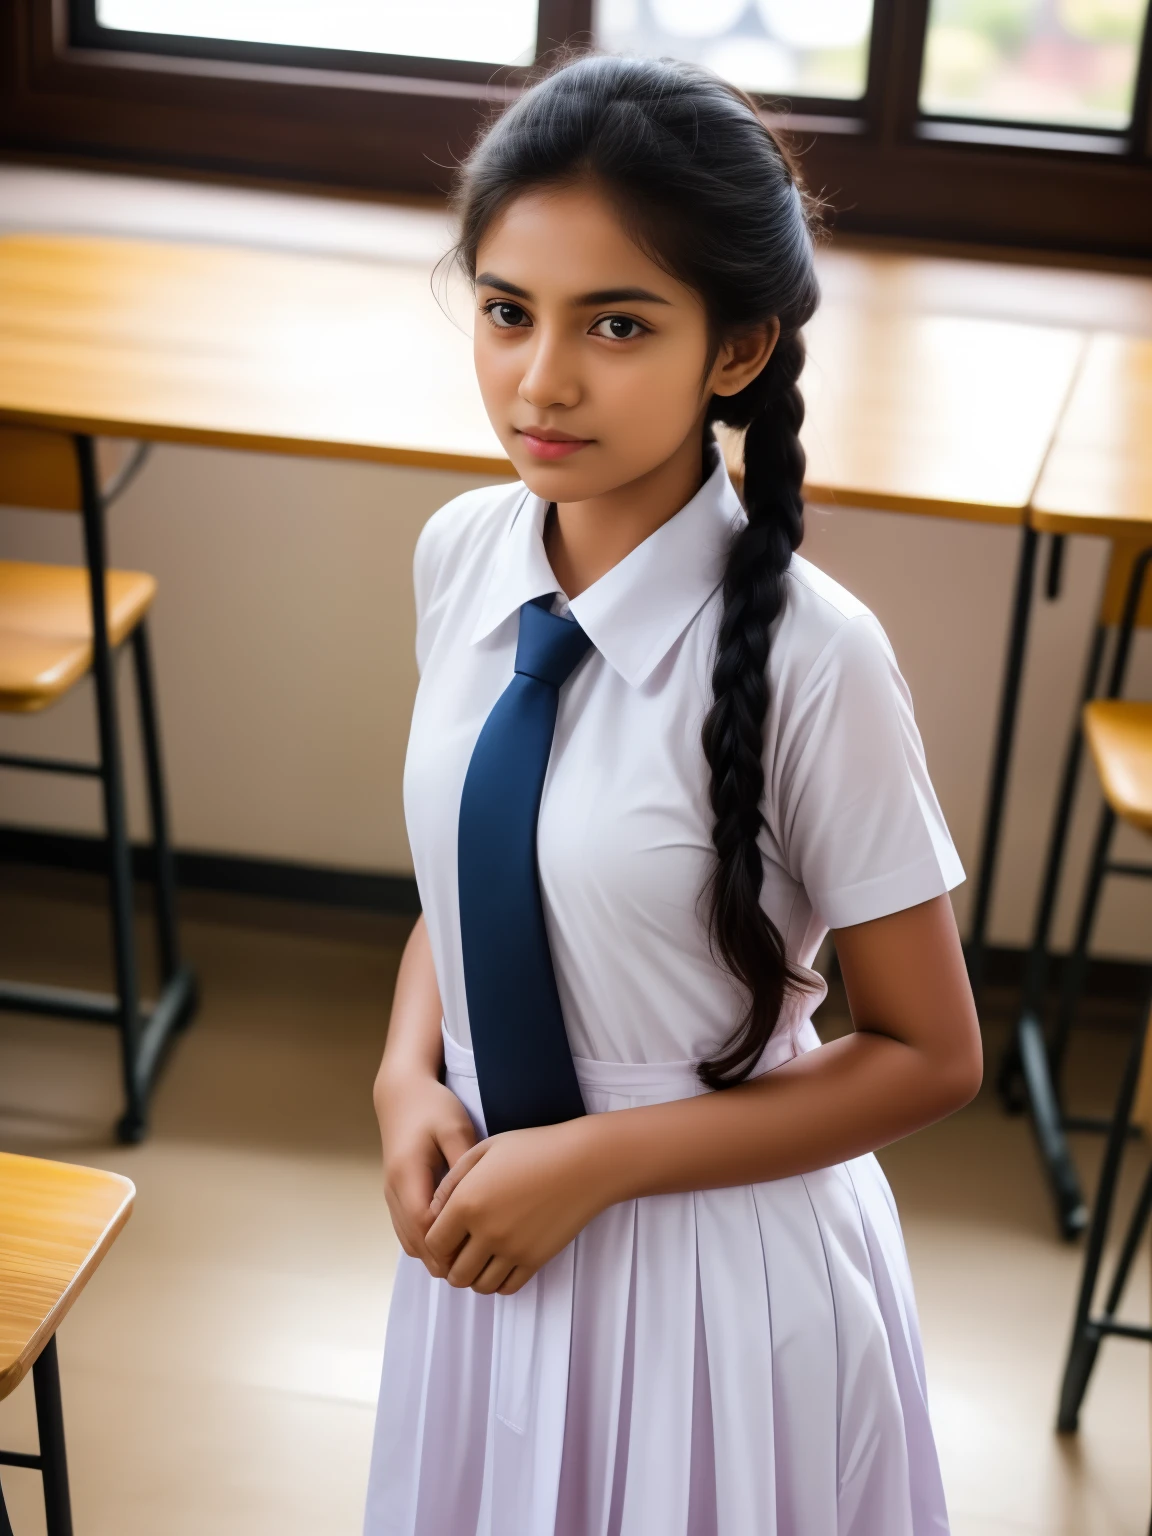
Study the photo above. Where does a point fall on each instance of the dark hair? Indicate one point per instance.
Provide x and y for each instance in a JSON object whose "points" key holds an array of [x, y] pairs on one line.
{"points": [[710, 194]]}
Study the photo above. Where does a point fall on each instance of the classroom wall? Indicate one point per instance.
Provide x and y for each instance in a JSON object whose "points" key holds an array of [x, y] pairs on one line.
{"points": [[283, 637]]}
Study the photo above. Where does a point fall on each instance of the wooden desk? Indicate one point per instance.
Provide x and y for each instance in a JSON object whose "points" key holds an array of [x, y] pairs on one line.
{"points": [[936, 415], [238, 349], [57, 1221], [1097, 480], [1098, 477]]}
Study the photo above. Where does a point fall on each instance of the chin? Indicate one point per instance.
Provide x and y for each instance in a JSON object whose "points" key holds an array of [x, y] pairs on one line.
{"points": [[557, 482], [568, 481]]}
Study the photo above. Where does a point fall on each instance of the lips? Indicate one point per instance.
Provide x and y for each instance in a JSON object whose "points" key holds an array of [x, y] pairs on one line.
{"points": [[548, 443]]}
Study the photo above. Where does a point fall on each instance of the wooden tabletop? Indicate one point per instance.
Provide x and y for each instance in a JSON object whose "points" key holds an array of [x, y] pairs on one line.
{"points": [[908, 411], [57, 1222], [238, 349], [940, 415], [1098, 478]]}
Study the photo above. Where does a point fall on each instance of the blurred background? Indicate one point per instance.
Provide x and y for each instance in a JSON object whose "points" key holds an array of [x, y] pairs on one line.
{"points": [[986, 170]]}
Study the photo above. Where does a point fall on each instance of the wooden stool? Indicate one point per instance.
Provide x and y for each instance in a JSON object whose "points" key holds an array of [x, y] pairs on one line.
{"points": [[56, 1224], [57, 623], [1119, 737], [1031, 1069]]}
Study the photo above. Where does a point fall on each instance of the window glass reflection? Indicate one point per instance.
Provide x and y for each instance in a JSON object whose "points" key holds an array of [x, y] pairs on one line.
{"points": [[1068, 62], [496, 32], [778, 47]]}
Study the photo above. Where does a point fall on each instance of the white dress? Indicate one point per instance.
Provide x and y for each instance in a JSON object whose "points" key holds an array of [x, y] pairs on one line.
{"points": [[736, 1362]]}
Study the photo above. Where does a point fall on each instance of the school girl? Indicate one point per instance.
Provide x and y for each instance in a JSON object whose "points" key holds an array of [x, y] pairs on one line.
{"points": [[653, 1280]]}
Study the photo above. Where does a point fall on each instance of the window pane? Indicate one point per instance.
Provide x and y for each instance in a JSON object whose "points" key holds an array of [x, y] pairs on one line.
{"points": [[496, 32], [1040, 61], [780, 47]]}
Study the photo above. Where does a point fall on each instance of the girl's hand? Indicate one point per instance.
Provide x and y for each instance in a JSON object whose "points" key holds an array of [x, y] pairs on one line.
{"points": [[511, 1204], [424, 1129]]}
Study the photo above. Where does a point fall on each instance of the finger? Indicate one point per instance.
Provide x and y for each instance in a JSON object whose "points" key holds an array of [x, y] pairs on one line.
{"points": [[448, 1232], [408, 1198], [469, 1262], [464, 1164], [492, 1276], [516, 1280], [412, 1186]]}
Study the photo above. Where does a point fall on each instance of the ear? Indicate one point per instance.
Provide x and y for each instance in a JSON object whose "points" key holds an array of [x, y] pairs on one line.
{"points": [[740, 359]]}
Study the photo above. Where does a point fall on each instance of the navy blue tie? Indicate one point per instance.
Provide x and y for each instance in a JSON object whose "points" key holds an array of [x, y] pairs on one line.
{"points": [[523, 1059]]}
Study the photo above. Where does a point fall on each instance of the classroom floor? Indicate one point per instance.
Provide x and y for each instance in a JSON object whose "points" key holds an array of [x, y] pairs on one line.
{"points": [[220, 1371]]}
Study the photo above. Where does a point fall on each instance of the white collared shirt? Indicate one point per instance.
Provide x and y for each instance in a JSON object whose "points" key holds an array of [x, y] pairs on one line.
{"points": [[853, 828]]}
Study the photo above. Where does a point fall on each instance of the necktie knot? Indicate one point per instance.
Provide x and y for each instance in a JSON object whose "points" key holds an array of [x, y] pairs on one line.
{"points": [[548, 646]]}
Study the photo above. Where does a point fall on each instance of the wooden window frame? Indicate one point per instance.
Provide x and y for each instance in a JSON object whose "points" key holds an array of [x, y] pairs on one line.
{"points": [[377, 126]]}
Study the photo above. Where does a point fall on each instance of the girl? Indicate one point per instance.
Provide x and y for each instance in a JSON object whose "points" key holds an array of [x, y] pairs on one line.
{"points": [[655, 756]]}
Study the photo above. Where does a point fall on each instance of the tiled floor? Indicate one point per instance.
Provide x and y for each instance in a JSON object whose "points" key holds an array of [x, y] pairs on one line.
{"points": [[220, 1371]]}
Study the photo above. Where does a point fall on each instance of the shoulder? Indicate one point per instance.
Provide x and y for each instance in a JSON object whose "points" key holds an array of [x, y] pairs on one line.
{"points": [[460, 535], [824, 627]]}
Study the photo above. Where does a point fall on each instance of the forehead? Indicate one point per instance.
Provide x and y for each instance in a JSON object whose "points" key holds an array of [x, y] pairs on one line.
{"points": [[570, 240]]}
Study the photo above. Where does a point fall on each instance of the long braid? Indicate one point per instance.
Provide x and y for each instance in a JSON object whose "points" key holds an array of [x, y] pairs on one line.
{"points": [[748, 941]]}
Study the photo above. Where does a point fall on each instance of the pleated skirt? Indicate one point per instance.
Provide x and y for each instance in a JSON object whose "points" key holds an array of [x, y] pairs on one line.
{"points": [[734, 1362]]}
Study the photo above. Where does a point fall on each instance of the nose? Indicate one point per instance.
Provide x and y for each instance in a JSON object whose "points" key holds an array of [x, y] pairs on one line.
{"points": [[550, 378]]}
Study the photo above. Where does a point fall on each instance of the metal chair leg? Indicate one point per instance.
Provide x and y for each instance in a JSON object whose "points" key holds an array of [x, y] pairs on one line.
{"points": [[1036, 1055], [1087, 1331], [1076, 966], [1131, 1246], [133, 1123], [5, 1523], [1048, 1126], [1036, 975], [164, 870], [50, 1427]]}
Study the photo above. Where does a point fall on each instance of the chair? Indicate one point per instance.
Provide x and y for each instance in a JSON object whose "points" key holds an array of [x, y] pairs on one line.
{"points": [[1118, 733], [1032, 1067], [56, 1224], [58, 623]]}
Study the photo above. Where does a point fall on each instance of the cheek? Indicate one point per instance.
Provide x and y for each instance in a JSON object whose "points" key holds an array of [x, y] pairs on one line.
{"points": [[656, 400], [498, 369]]}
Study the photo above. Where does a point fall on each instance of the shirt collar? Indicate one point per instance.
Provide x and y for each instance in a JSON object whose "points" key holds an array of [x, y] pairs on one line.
{"points": [[638, 610]]}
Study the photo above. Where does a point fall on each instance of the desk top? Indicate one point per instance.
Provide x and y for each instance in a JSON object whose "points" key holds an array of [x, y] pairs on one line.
{"points": [[939, 415], [908, 411], [1098, 478], [238, 349], [57, 1221]]}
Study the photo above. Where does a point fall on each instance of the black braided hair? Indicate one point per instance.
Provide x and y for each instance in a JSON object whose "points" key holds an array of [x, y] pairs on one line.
{"points": [[707, 190]]}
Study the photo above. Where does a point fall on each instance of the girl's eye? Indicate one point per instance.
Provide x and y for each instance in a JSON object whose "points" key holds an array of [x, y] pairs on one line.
{"points": [[504, 315], [618, 328]]}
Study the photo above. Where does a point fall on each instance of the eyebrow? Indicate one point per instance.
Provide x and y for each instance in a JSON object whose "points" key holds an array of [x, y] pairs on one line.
{"points": [[584, 300]]}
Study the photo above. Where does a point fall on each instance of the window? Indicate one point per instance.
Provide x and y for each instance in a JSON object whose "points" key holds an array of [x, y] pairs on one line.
{"points": [[495, 33], [814, 48], [1065, 62], [1020, 122]]}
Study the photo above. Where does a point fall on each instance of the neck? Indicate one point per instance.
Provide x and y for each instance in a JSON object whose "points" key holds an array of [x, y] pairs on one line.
{"points": [[584, 539]]}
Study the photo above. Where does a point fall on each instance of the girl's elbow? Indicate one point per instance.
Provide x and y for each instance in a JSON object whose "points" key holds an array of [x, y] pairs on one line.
{"points": [[962, 1076]]}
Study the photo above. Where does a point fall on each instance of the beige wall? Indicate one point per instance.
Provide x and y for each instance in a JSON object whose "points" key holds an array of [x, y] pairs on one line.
{"points": [[283, 628], [283, 637]]}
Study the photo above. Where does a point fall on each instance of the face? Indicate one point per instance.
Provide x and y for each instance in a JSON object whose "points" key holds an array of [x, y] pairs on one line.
{"points": [[593, 362]]}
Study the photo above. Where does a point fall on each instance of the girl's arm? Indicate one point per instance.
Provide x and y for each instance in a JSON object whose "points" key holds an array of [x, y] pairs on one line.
{"points": [[424, 1128], [515, 1200]]}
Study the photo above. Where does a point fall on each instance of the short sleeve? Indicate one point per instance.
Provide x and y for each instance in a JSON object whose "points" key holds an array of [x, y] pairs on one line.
{"points": [[855, 812]]}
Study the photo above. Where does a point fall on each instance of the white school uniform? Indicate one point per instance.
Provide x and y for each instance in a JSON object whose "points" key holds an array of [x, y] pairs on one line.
{"points": [[734, 1362]]}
